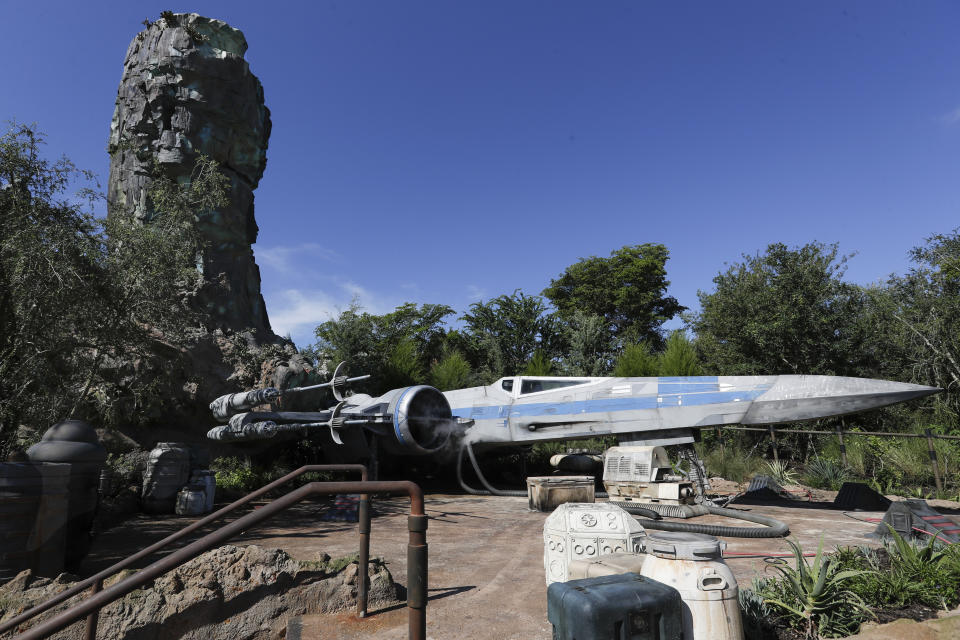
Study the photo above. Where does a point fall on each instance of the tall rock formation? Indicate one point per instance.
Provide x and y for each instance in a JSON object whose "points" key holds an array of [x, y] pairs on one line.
{"points": [[187, 90]]}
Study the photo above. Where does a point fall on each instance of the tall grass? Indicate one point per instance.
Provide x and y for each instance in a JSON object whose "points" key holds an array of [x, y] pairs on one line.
{"points": [[730, 462]]}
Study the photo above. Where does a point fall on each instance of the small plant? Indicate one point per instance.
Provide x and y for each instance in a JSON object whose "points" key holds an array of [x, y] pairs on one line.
{"points": [[815, 597], [824, 473], [912, 557], [235, 474], [754, 611], [780, 471]]}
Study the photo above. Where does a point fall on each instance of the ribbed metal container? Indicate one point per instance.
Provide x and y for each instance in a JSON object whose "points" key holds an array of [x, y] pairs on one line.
{"points": [[168, 469], [33, 517], [75, 442]]}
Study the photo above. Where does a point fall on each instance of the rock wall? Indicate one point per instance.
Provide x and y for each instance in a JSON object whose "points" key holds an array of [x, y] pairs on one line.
{"points": [[186, 90]]}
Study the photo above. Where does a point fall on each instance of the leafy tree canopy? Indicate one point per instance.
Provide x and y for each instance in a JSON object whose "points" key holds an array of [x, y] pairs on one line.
{"points": [[395, 348], [628, 289], [79, 293], [916, 318], [636, 361], [503, 334], [783, 311]]}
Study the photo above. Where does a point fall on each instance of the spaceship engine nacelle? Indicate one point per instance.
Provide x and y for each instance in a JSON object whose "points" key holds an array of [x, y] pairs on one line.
{"points": [[421, 421]]}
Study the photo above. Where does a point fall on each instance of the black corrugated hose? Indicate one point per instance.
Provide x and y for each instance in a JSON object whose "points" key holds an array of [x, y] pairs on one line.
{"points": [[773, 529]]}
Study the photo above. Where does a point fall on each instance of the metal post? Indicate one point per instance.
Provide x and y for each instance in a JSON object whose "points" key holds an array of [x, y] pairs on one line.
{"points": [[773, 440], [843, 447], [364, 584], [933, 460], [90, 633], [417, 576]]}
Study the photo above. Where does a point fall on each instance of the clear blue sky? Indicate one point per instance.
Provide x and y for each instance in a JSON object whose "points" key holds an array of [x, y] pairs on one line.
{"points": [[452, 151]]}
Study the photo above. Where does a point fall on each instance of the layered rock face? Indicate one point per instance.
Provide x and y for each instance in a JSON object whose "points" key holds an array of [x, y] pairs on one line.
{"points": [[187, 90]]}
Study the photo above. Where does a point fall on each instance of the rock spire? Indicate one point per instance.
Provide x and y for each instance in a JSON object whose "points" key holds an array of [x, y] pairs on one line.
{"points": [[187, 90]]}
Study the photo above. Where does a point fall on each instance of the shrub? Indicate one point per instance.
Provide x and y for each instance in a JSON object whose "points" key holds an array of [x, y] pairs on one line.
{"points": [[731, 463], [780, 471], [236, 474], [824, 473], [814, 596]]}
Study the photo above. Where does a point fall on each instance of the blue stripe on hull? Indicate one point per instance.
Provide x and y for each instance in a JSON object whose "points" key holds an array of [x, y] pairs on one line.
{"points": [[609, 405]]}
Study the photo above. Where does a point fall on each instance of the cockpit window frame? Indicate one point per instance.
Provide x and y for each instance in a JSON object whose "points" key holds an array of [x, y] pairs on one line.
{"points": [[553, 383]]}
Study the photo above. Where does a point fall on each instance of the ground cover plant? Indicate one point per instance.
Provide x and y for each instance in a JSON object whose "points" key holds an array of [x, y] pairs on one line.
{"points": [[831, 596]]}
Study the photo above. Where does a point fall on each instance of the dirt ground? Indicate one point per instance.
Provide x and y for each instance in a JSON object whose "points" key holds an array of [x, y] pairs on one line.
{"points": [[486, 576]]}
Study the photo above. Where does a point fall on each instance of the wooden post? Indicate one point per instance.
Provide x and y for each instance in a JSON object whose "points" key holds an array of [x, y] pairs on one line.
{"points": [[773, 440], [933, 460]]}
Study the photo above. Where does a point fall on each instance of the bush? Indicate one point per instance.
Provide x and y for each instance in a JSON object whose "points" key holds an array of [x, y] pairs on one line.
{"points": [[823, 473], [814, 597], [236, 474], [780, 471], [126, 469], [728, 462]]}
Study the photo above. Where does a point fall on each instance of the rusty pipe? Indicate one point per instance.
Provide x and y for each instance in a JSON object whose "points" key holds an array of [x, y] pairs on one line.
{"points": [[416, 572], [90, 632], [126, 562]]}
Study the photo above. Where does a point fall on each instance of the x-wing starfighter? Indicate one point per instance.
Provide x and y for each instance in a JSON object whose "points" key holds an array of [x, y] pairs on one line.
{"points": [[526, 409]]}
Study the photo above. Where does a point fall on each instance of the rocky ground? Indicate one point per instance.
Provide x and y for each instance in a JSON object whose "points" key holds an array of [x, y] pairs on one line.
{"points": [[229, 593]]}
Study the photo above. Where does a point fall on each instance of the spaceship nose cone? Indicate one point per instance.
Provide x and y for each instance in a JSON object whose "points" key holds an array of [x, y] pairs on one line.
{"points": [[919, 391], [810, 397]]}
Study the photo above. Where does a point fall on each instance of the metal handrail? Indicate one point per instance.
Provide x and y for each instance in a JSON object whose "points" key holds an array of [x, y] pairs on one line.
{"points": [[99, 577], [416, 554]]}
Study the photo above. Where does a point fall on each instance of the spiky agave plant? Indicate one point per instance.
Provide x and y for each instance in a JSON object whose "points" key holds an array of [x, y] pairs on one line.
{"points": [[781, 472], [914, 557], [821, 602]]}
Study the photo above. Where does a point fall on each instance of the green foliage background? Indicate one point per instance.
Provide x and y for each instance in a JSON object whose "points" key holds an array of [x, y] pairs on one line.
{"points": [[80, 294]]}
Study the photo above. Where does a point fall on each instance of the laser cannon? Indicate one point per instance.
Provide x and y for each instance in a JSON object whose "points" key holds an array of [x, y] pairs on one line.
{"points": [[411, 420]]}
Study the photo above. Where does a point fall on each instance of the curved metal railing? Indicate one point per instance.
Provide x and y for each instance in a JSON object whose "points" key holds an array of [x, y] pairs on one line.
{"points": [[96, 581], [416, 555]]}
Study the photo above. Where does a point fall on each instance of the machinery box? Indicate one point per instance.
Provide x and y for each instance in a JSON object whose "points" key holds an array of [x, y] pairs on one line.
{"points": [[546, 493], [620, 607]]}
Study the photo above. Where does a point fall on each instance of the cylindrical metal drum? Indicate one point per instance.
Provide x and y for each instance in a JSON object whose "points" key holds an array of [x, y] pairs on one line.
{"points": [[168, 469], [208, 480], [75, 442], [191, 500], [33, 517], [692, 564]]}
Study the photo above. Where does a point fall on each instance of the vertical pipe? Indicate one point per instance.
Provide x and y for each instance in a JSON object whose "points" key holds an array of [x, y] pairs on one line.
{"points": [[773, 440], [90, 632], [363, 586], [417, 577], [933, 460]]}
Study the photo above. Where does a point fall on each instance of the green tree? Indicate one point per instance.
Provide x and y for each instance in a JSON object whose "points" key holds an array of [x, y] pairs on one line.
{"points": [[636, 361], [588, 348], [784, 311], [915, 319], [502, 335], [396, 348], [539, 365], [679, 358], [628, 289], [79, 294], [452, 371]]}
